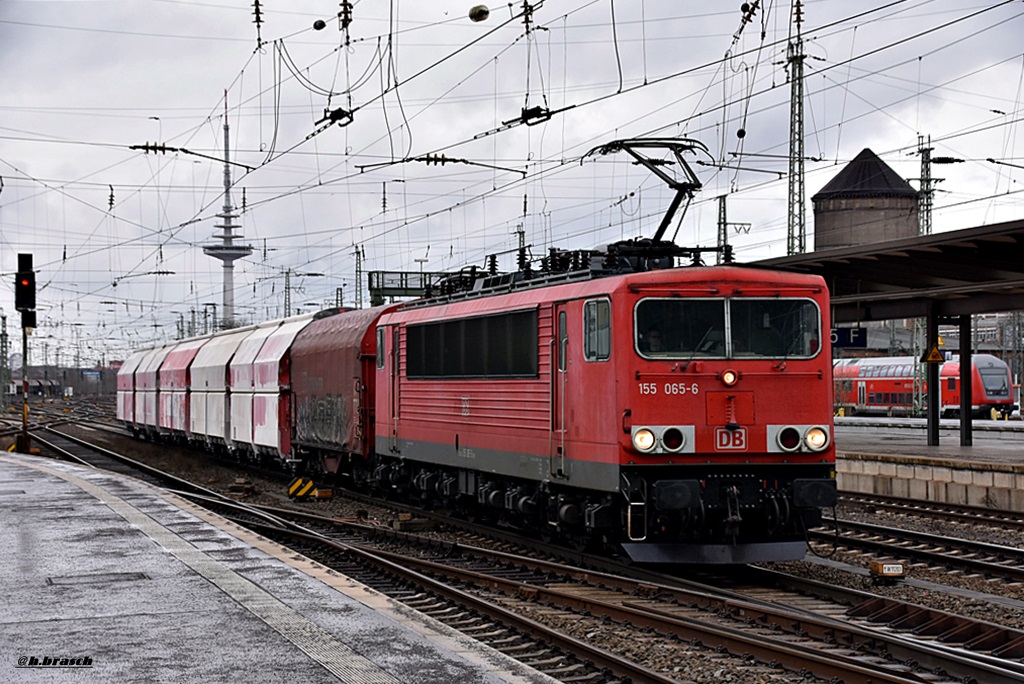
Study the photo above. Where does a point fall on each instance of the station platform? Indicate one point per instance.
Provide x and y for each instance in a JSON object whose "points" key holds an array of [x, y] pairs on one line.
{"points": [[993, 441], [108, 579], [886, 457]]}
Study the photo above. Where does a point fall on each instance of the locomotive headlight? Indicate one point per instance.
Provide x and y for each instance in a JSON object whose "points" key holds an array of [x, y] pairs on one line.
{"points": [[788, 438], [816, 438], [729, 377], [673, 439], [644, 439]]}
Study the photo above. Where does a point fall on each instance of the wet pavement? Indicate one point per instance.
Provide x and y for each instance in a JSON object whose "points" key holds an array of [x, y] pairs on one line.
{"points": [[993, 441], [107, 579]]}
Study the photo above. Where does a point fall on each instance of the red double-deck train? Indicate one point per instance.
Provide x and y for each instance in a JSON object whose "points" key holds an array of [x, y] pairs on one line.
{"points": [[885, 386], [677, 414]]}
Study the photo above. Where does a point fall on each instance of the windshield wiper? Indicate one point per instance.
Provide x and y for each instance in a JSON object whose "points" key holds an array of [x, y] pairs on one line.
{"points": [[789, 350], [696, 347]]}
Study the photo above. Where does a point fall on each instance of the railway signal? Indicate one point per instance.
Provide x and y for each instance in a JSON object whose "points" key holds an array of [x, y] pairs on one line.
{"points": [[25, 284], [25, 302]]}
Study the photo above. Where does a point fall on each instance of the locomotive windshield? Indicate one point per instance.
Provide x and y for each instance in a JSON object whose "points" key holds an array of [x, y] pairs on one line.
{"points": [[727, 328], [996, 381]]}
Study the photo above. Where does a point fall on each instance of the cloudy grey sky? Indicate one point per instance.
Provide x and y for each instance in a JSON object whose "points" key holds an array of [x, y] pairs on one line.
{"points": [[85, 80]]}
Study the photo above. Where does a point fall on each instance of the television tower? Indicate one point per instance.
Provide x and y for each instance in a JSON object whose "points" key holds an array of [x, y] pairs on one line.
{"points": [[227, 251]]}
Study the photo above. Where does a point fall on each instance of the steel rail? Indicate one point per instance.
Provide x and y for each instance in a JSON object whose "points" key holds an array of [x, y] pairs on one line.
{"points": [[1013, 569], [828, 665], [398, 565], [736, 604], [937, 509]]}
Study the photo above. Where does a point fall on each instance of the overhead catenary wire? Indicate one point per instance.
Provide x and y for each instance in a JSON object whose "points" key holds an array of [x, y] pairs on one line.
{"points": [[316, 187]]}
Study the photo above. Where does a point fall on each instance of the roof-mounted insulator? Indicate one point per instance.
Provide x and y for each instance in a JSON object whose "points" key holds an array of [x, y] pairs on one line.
{"points": [[345, 15], [527, 14], [258, 20], [523, 261]]}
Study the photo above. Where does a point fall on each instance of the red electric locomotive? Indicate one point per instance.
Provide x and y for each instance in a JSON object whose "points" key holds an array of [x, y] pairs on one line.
{"points": [[885, 386], [607, 399], [680, 414]]}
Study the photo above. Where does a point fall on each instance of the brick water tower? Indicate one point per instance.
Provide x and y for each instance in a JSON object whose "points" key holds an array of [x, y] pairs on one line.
{"points": [[866, 202]]}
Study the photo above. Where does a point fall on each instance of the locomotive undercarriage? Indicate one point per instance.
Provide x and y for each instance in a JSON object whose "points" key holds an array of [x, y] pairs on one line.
{"points": [[731, 514], [663, 514]]}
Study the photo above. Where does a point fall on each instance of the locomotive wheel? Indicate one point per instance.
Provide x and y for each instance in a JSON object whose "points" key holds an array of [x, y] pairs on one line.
{"points": [[581, 543]]}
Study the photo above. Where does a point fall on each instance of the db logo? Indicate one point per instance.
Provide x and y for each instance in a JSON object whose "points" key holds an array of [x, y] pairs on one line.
{"points": [[730, 439]]}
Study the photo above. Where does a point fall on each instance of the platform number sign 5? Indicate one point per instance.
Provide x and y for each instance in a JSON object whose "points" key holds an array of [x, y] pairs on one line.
{"points": [[849, 338]]}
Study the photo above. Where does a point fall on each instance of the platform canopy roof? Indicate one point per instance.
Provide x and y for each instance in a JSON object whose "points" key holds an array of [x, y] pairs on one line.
{"points": [[970, 271]]}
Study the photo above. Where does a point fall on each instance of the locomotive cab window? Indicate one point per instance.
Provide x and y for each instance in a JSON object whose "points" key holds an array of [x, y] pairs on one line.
{"points": [[680, 328], [380, 347], [597, 326], [727, 328], [775, 328]]}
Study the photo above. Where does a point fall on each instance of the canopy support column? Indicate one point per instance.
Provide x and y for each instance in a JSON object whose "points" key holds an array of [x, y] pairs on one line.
{"points": [[966, 382], [932, 377]]}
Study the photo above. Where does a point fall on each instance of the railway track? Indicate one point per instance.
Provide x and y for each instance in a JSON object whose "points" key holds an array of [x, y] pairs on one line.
{"points": [[934, 510], [11, 427], [942, 551], [543, 648], [512, 632], [806, 630], [902, 424], [77, 450], [44, 415], [871, 611]]}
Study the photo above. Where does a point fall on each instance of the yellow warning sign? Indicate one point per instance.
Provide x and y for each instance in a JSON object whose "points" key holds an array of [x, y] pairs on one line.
{"points": [[300, 488], [942, 342], [933, 355]]}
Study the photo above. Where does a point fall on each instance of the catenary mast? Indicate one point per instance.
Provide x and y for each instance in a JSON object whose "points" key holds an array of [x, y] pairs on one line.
{"points": [[796, 226]]}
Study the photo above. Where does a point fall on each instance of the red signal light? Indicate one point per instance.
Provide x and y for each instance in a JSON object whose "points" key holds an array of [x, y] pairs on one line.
{"points": [[25, 291]]}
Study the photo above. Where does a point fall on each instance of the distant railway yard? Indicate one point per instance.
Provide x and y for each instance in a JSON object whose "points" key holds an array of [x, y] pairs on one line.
{"points": [[953, 613]]}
